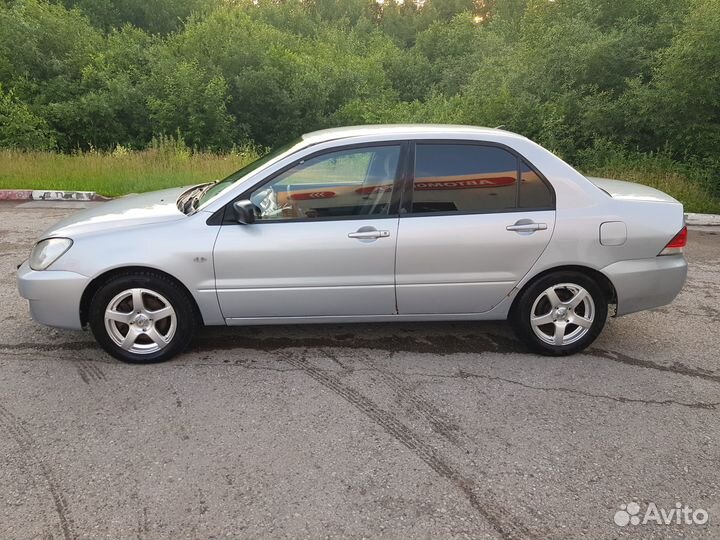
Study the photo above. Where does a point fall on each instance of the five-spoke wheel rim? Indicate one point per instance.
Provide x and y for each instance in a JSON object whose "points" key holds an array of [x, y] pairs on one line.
{"points": [[562, 314], [140, 321]]}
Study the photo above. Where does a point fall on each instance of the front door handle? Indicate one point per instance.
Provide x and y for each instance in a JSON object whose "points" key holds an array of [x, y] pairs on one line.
{"points": [[371, 234], [527, 227]]}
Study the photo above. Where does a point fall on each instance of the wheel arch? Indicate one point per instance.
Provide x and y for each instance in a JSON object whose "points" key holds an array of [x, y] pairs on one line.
{"points": [[601, 279], [97, 282]]}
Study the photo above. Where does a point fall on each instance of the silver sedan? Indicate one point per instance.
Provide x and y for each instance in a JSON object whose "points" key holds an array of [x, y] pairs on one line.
{"points": [[365, 224]]}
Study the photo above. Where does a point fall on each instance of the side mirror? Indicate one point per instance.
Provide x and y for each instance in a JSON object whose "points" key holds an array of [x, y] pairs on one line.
{"points": [[244, 212]]}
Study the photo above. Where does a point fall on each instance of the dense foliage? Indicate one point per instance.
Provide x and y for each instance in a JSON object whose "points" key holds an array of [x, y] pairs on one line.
{"points": [[586, 78]]}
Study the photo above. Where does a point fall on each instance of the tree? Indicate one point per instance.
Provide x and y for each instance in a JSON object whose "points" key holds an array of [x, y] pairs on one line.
{"points": [[20, 128], [185, 98], [639, 75], [155, 16], [684, 100]]}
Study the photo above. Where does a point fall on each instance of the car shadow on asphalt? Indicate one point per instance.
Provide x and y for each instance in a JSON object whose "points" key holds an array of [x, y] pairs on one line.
{"points": [[432, 337]]}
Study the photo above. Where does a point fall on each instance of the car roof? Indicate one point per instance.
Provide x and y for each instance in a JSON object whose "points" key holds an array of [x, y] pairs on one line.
{"points": [[405, 130]]}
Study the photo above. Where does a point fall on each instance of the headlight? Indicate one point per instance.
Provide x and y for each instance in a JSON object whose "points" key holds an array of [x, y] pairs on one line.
{"points": [[48, 251]]}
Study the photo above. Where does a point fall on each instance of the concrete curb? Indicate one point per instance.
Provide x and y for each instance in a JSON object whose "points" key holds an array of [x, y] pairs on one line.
{"points": [[15, 194], [41, 195], [703, 220]]}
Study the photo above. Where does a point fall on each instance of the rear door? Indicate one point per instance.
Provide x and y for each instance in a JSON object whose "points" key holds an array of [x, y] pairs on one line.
{"points": [[323, 243], [474, 219]]}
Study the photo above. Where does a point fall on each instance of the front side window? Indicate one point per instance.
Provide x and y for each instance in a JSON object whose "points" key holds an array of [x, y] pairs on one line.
{"points": [[339, 184], [464, 178]]}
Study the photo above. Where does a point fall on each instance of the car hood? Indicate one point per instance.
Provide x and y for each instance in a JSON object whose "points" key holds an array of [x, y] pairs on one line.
{"points": [[128, 211], [631, 191]]}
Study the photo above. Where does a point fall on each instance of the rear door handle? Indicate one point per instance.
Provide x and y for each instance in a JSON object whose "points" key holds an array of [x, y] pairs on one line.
{"points": [[369, 235], [527, 227]]}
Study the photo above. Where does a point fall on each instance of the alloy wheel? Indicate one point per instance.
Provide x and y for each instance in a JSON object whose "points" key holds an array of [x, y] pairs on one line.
{"points": [[140, 321], [562, 314]]}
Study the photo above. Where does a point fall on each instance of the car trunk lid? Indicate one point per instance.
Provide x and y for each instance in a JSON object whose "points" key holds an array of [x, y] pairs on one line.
{"points": [[630, 191]]}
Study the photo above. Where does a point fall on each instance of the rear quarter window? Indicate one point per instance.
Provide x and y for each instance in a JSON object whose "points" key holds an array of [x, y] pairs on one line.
{"points": [[534, 192]]}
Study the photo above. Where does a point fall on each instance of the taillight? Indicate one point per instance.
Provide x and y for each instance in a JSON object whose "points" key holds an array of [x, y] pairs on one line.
{"points": [[677, 244]]}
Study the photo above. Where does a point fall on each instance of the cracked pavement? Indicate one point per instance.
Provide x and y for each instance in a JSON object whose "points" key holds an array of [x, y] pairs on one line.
{"points": [[442, 430]]}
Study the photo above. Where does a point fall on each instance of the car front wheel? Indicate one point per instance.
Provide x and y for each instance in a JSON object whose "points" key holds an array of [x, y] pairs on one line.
{"points": [[142, 317], [560, 314]]}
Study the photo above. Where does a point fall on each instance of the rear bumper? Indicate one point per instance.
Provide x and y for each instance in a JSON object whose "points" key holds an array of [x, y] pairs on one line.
{"points": [[647, 283], [54, 296]]}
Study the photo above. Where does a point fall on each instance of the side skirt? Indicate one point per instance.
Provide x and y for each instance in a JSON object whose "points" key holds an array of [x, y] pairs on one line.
{"points": [[498, 313]]}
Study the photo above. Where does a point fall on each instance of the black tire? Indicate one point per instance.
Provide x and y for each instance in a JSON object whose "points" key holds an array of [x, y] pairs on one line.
{"points": [[181, 326], [521, 312]]}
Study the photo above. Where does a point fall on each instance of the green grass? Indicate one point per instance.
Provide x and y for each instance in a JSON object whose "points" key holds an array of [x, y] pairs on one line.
{"points": [[123, 171], [115, 173]]}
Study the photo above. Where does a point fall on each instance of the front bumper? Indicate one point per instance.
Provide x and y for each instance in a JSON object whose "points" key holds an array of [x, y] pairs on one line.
{"points": [[647, 283], [54, 296]]}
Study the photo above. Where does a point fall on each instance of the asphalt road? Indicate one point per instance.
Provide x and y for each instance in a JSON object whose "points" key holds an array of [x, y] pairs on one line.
{"points": [[360, 431]]}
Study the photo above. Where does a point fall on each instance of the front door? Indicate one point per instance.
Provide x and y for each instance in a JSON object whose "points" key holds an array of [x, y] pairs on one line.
{"points": [[477, 220], [323, 243]]}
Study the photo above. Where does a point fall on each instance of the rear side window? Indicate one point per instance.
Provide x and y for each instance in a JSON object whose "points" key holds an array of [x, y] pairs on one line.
{"points": [[474, 178], [464, 178]]}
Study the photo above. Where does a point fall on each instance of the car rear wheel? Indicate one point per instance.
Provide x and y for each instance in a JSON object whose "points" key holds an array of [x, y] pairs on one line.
{"points": [[142, 317], [560, 313]]}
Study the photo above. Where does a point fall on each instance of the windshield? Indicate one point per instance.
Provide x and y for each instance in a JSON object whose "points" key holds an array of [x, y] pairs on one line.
{"points": [[222, 185]]}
